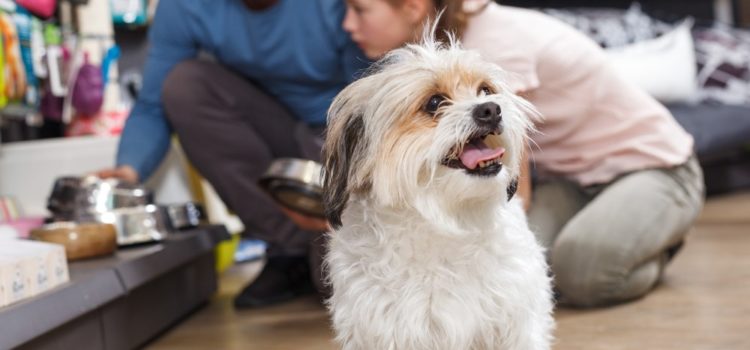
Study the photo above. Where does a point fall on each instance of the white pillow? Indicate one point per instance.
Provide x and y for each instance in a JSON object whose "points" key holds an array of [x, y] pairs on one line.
{"points": [[664, 67]]}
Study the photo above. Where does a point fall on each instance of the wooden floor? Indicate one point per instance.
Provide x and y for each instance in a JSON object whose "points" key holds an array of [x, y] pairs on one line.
{"points": [[703, 304]]}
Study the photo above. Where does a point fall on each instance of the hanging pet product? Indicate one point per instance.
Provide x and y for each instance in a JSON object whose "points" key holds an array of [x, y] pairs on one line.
{"points": [[40, 8], [88, 89], [109, 119], [129, 12], [3, 98], [55, 60], [38, 48], [15, 76], [23, 21], [89, 110]]}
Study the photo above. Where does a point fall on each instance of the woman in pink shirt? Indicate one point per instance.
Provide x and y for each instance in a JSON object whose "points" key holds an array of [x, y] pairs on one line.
{"points": [[617, 186]]}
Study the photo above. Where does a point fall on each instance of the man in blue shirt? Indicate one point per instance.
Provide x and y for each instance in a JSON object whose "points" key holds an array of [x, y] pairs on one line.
{"points": [[277, 64]]}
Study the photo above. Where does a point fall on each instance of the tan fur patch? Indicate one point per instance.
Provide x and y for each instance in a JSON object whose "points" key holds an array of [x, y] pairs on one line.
{"points": [[458, 82]]}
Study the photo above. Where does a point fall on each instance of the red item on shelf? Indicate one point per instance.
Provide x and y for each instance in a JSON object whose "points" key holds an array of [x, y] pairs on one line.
{"points": [[103, 124], [40, 8]]}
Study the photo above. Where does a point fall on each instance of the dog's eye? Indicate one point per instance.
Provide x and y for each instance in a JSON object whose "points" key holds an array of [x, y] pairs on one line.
{"points": [[434, 103], [485, 89]]}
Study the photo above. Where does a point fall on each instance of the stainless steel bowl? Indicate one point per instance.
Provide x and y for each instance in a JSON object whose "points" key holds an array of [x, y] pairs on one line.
{"points": [[134, 225], [103, 195], [76, 197], [295, 184]]}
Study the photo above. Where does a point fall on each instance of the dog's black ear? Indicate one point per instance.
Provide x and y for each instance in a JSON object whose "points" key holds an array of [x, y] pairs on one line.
{"points": [[512, 188], [339, 153]]}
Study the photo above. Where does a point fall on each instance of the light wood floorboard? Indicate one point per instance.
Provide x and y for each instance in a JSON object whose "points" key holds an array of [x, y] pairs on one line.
{"points": [[702, 304]]}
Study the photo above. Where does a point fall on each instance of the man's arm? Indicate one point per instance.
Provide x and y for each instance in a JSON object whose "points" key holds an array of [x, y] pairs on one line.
{"points": [[146, 137]]}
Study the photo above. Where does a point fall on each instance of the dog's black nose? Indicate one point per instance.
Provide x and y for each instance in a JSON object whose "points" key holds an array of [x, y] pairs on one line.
{"points": [[487, 114]]}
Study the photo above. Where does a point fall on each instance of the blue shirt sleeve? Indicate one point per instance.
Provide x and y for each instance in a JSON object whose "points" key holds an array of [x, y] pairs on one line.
{"points": [[146, 136]]}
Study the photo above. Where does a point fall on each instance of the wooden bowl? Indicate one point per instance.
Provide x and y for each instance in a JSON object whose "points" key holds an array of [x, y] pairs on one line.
{"points": [[80, 240]]}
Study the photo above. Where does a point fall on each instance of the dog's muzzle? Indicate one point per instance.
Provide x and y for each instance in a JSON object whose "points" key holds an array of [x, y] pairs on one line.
{"points": [[475, 156]]}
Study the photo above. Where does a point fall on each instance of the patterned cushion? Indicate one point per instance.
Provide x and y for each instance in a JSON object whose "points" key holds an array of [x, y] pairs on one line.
{"points": [[723, 58], [722, 53], [612, 27]]}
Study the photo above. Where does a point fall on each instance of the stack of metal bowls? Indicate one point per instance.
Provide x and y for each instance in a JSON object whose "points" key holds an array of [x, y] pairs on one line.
{"points": [[129, 208]]}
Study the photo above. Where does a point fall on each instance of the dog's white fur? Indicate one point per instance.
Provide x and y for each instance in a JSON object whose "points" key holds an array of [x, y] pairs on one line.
{"points": [[426, 256]]}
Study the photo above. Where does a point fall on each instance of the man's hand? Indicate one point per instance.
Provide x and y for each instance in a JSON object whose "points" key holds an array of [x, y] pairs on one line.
{"points": [[124, 172], [305, 222]]}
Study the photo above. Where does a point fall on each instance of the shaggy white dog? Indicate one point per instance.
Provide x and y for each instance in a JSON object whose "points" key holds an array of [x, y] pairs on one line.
{"points": [[428, 249]]}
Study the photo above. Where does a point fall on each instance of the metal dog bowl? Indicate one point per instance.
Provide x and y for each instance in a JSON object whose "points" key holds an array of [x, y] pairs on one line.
{"points": [[295, 184], [104, 195], [134, 225], [74, 197]]}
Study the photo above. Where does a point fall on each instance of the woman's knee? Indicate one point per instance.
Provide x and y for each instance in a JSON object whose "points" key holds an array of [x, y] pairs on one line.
{"points": [[554, 204], [594, 277]]}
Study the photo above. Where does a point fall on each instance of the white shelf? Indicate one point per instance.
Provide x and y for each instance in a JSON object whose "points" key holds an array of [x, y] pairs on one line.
{"points": [[29, 168]]}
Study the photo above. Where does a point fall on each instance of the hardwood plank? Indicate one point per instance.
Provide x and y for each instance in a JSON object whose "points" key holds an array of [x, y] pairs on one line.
{"points": [[703, 303]]}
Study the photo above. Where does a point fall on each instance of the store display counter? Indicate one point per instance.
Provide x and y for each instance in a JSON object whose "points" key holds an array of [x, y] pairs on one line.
{"points": [[120, 301]]}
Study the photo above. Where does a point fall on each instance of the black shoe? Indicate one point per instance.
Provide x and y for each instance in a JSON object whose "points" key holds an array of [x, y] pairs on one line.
{"points": [[673, 250], [282, 279]]}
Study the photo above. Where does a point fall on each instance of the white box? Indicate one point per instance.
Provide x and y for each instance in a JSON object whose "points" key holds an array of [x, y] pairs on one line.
{"points": [[15, 277], [5, 267], [35, 267]]}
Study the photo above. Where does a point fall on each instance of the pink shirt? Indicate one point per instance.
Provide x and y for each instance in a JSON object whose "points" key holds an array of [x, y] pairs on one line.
{"points": [[596, 125]]}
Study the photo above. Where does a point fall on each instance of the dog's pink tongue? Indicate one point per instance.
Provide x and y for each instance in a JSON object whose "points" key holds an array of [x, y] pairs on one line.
{"points": [[476, 152]]}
